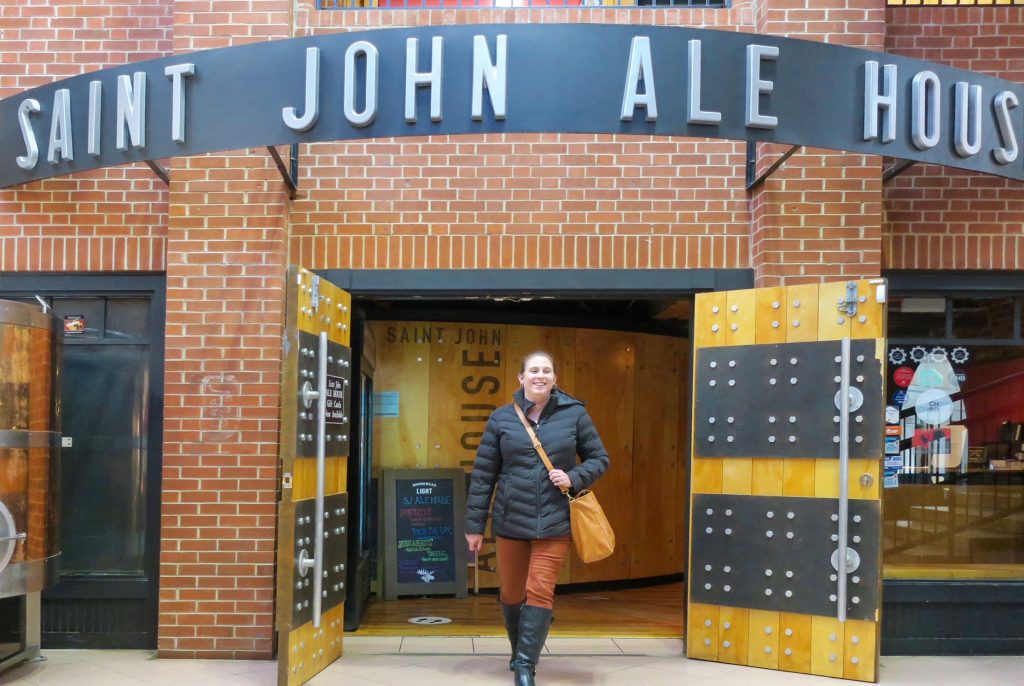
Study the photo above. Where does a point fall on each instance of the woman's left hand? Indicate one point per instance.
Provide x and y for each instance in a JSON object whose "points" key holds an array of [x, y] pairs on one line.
{"points": [[559, 478]]}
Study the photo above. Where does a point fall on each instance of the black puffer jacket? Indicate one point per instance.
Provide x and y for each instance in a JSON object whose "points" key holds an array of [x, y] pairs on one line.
{"points": [[528, 505]]}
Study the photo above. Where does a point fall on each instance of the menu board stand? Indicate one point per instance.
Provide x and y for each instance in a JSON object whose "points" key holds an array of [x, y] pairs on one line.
{"points": [[424, 532]]}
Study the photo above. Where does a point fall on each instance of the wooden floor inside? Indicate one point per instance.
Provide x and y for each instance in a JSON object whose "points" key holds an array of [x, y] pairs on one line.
{"points": [[649, 612]]}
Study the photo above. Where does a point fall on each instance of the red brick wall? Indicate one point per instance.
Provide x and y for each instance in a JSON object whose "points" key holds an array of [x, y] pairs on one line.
{"points": [[96, 221], [818, 217], [940, 218], [567, 201], [227, 256]]}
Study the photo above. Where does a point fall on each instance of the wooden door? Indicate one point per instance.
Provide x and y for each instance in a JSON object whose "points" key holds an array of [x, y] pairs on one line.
{"points": [[314, 447], [764, 579]]}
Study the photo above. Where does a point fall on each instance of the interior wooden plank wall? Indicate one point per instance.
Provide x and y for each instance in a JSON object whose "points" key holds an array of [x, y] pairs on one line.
{"points": [[449, 377]]}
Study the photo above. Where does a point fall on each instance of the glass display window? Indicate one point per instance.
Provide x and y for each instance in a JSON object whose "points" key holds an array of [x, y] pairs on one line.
{"points": [[954, 447]]}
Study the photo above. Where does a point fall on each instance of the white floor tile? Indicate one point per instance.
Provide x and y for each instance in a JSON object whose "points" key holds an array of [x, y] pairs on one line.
{"points": [[434, 661], [487, 645], [650, 646], [365, 665], [438, 645], [371, 645], [583, 646]]}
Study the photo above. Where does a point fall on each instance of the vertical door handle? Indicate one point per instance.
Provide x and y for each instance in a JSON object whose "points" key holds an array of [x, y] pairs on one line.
{"points": [[321, 459], [317, 561], [844, 474]]}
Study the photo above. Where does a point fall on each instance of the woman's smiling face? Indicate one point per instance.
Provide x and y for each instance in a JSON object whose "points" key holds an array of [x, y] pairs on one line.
{"points": [[538, 377]]}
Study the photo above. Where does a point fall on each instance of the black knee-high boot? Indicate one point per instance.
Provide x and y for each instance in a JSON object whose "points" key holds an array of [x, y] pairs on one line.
{"points": [[534, 623], [511, 614]]}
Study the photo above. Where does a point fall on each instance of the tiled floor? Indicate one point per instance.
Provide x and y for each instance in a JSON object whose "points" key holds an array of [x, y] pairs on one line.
{"points": [[426, 661]]}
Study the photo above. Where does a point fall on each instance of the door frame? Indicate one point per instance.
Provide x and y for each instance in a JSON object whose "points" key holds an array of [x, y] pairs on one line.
{"points": [[153, 286], [410, 285]]}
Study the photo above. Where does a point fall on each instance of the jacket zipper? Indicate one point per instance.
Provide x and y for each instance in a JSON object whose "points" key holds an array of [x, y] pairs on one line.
{"points": [[537, 482]]}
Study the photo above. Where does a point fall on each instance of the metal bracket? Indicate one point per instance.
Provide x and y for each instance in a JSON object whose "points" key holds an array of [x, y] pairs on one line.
{"points": [[290, 172], [314, 294], [896, 169], [754, 181], [849, 304], [160, 171]]}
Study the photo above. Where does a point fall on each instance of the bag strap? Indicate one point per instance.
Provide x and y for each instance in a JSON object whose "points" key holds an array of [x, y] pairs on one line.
{"points": [[536, 442]]}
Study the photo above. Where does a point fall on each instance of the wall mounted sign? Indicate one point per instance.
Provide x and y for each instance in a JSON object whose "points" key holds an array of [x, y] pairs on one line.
{"points": [[472, 79], [74, 324]]}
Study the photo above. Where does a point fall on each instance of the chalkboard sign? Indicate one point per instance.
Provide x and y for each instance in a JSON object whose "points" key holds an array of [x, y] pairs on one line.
{"points": [[424, 523]]}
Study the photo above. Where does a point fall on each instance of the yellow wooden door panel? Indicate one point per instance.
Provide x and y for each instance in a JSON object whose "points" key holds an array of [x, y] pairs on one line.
{"points": [[314, 306], [660, 373], [732, 635], [826, 478], [763, 639], [767, 474], [798, 477], [861, 652], [795, 643], [802, 313], [446, 397], [801, 327], [740, 317], [403, 352], [709, 326], [871, 316], [466, 383], [702, 632], [304, 657], [605, 361], [827, 642], [682, 503], [771, 315], [706, 475], [791, 642], [737, 475], [833, 323], [708, 330], [741, 325]]}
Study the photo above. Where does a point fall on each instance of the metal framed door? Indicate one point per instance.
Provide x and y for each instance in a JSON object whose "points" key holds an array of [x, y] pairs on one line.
{"points": [[785, 473], [112, 425], [314, 448]]}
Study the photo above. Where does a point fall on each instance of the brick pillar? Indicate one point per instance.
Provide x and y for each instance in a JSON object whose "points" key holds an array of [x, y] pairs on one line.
{"points": [[819, 216], [227, 256]]}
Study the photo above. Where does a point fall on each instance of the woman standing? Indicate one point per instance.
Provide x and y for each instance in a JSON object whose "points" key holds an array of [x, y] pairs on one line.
{"points": [[531, 515]]}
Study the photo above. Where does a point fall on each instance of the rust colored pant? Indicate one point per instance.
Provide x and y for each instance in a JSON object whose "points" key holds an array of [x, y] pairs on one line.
{"points": [[528, 569]]}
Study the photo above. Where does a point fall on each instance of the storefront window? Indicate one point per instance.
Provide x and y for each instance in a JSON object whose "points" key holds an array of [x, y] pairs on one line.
{"points": [[954, 466]]}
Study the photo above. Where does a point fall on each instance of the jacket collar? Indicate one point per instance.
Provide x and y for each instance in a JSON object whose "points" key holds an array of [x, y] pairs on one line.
{"points": [[558, 398]]}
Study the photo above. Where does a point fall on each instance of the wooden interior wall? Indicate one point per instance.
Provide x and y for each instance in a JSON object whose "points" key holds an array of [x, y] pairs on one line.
{"points": [[449, 377]]}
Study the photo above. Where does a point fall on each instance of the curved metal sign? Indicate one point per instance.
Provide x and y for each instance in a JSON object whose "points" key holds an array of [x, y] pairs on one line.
{"points": [[471, 79]]}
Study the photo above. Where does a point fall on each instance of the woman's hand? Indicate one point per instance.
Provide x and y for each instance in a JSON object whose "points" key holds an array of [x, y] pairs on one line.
{"points": [[475, 541], [559, 478]]}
